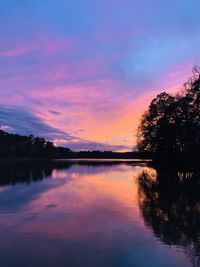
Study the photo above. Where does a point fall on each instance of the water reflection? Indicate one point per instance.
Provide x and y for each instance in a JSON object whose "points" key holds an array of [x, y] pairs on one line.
{"points": [[169, 200], [77, 214], [13, 172]]}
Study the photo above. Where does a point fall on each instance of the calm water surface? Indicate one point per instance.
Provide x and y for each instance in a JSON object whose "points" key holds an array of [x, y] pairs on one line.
{"points": [[98, 214]]}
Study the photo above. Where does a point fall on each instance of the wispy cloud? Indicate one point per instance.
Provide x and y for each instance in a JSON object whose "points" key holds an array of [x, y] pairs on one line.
{"points": [[18, 120], [24, 122], [87, 145]]}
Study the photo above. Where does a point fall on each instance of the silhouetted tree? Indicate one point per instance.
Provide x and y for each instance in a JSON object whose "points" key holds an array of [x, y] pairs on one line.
{"points": [[171, 126]]}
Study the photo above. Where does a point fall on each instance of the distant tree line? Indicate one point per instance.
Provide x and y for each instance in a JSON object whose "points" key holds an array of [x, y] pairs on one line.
{"points": [[171, 126], [18, 146]]}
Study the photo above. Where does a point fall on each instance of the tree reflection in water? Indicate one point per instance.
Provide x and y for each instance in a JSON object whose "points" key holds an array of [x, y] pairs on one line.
{"points": [[28, 171], [169, 200]]}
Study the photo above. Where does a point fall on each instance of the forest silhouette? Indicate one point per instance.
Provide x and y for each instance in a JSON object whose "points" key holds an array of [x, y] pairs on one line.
{"points": [[170, 128], [18, 146]]}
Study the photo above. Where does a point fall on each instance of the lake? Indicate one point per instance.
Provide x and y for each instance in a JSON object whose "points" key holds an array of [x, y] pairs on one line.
{"points": [[98, 214]]}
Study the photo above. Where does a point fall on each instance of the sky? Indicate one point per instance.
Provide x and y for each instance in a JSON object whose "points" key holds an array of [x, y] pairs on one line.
{"points": [[80, 73]]}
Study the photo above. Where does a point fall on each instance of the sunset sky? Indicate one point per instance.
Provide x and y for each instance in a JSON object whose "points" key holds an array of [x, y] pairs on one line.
{"points": [[81, 72]]}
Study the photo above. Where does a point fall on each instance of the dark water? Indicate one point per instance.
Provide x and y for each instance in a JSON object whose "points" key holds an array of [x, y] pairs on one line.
{"points": [[98, 214]]}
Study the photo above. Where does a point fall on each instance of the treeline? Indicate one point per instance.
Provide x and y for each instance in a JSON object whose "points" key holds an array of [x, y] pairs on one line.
{"points": [[18, 146], [171, 126]]}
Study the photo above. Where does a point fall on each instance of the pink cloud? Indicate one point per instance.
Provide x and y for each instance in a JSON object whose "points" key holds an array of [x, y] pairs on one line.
{"points": [[5, 127], [14, 52], [37, 44]]}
